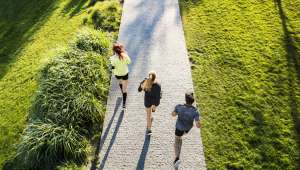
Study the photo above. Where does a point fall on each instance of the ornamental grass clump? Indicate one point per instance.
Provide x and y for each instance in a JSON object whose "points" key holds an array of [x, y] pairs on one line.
{"points": [[105, 16], [69, 107], [45, 144], [92, 40], [75, 85]]}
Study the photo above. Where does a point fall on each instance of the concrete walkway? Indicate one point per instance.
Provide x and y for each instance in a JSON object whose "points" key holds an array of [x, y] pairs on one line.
{"points": [[152, 33]]}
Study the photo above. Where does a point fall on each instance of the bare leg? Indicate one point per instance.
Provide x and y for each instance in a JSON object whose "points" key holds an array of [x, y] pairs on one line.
{"points": [[149, 122], [124, 85], [177, 146], [121, 86], [153, 108], [124, 91]]}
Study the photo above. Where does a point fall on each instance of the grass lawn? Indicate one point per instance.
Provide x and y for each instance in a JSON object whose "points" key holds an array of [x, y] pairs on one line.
{"points": [[246, 72], [31, 31]]}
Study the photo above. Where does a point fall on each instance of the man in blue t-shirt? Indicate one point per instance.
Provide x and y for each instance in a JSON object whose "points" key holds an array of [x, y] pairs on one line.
{"points": [[187, 114]]}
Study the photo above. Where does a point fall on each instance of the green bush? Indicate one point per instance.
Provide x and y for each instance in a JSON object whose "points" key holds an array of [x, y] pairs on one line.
{"points": [[69, 166], [92, 40], [106, 16], [46, 143], [69, 106], [72, 89]]}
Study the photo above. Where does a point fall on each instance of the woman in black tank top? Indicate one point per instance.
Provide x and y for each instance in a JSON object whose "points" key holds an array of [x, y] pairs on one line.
{"points": [[152, 97]]}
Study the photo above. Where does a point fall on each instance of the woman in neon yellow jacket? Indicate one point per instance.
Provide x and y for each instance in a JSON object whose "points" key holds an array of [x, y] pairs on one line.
{"points": [[119, 64]]}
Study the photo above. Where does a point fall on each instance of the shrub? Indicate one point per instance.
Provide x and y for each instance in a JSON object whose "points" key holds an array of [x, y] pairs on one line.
{"points": [[92, 40], [72, 90], [69, 106], [45, 143], [106, 16], [69, 166]]}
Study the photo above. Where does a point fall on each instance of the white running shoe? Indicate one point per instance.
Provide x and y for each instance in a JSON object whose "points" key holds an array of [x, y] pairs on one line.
{"points": [[176, 163]]}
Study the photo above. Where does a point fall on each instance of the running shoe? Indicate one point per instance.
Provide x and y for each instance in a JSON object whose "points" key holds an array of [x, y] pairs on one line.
{"points": [[176, 163], [149, 132]]}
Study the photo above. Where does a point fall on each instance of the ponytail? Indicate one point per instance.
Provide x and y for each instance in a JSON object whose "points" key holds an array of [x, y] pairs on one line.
{"points": [[149, 81]]}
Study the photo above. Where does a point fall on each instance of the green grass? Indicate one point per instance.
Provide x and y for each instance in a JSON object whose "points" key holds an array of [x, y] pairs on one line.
{"points": [[31, 33], [246, 72]]}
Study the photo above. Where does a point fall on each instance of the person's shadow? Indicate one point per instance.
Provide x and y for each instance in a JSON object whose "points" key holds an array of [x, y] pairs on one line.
{"points": [[105, 133], [143, 155]]}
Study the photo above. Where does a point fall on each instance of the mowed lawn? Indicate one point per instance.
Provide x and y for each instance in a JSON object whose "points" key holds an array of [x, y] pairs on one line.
{"points": [[246, 72], [31, 31]]}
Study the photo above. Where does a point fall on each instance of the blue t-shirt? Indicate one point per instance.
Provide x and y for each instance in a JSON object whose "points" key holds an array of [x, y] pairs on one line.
{"points": [[186, 117]]}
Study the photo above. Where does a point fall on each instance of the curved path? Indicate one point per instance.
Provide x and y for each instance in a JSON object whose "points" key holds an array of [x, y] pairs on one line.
{"points": [[152, 33]]}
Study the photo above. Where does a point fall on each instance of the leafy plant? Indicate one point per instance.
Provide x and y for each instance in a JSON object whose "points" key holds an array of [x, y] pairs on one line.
{"points": [[69, 166], [106, 16], [75, 85], [69, 106], [46, 143], [92, 40]]}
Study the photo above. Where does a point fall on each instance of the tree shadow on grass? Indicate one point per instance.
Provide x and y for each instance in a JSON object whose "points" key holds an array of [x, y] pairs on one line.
{"points": [[293, 71], [19, 20], [74, 7]]}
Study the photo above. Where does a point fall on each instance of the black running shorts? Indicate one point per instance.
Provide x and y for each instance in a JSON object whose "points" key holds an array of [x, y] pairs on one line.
{"points": [[122, 77], [180, 133]]}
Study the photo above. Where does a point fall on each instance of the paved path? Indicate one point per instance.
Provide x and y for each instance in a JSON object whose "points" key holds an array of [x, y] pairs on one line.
{"points": [[152, 33]]}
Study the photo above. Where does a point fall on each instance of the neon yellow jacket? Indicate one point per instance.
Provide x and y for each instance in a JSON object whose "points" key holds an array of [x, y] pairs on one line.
{"points": [[120, 65]]}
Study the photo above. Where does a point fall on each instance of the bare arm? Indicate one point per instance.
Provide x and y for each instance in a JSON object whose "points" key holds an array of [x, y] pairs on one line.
{"points": [[174, 114], [141, 86], [112, 64], [198, 124], [127, 59]]}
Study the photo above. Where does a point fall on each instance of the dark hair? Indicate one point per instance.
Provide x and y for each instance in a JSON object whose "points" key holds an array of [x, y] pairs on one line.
{"points": [[189, 98], [118, 48]]}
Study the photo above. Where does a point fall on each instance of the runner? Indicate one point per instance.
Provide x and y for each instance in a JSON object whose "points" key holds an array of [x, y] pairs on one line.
{"points": [[119, 65], [152, 97], [187, 114]]}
